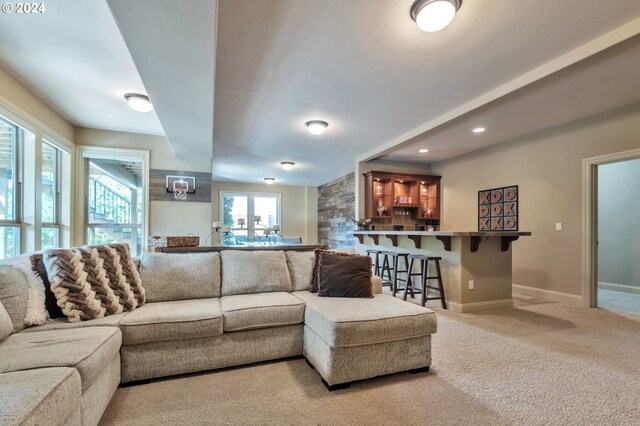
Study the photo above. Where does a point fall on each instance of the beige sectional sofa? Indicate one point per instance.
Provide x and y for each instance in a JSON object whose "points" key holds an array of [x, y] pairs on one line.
{"points": [[207, 311]]}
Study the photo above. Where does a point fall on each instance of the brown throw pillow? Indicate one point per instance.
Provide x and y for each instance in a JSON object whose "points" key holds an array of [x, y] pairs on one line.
{"points": [[117, 280], [314, 271], [68, 279], [50, 301], [344, 275]]}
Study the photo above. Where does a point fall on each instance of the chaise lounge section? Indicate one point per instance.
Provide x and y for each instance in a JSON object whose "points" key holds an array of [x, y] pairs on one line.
{"points": [[206, 311]]}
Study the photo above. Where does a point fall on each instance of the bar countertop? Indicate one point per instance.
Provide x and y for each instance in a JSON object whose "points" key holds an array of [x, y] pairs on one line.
{"points": [[476, 237]]}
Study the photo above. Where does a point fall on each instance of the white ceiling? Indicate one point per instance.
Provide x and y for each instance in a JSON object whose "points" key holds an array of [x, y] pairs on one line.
{"points": [[364, 67], [173, 45], [74, 58], [369, 71], [604, 82]]}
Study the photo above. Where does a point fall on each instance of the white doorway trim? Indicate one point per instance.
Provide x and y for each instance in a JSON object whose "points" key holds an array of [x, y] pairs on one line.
{"points": [[590, 220]]}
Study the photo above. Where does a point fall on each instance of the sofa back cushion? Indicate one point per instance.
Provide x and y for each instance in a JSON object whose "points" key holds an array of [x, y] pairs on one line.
{"points": [[245, 272], [6, 326], [300, 268], [175, 276], [14, 295]]}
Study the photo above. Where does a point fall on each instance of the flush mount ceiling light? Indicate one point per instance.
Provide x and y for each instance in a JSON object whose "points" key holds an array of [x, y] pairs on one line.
{"points": [[479, 130], [434, 15], [316, 127], [269, 180], [287, 165], [138, 102], [423, 151]]}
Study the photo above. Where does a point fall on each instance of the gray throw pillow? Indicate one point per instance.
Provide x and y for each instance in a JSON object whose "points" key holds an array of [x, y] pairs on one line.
{"points": [[14, 295]]}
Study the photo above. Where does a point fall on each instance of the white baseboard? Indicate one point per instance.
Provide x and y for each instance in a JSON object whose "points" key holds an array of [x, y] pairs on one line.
{"points": [[624, 288], [480, 306], [572, 299]]}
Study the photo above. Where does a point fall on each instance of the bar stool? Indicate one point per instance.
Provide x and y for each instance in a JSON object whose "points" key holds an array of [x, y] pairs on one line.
{"points": [[424, 274], [376, 260], [397, 271], [387, 269]]}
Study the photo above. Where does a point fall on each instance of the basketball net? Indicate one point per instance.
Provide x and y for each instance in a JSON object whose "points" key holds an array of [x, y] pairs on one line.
{"points": [[180, 193]]}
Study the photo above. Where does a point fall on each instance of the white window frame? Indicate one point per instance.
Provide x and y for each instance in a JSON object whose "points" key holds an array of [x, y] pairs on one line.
{"points": [[16, 222], [85, 153], [251, 208], [58, 195]]}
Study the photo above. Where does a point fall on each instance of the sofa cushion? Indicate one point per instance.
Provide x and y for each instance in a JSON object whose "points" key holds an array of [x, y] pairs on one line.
{"points": [[44, 396], [261, 310], [6, 326], [300, 265], [14, 293], [178, 320], [88, 349], [167, 276], [346, 322], [75, 295], [63, 323], [245, 272]]}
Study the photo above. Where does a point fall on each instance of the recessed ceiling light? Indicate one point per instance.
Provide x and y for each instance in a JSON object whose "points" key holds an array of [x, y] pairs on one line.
{"points": [[138, 102], [479, 130], [316, 127], [423, 151], [434, 15], [287, 165], [269, 180]]}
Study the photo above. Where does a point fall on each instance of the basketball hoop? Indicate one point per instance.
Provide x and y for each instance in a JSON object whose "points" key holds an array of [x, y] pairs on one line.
{"points": [[180, 193], [180, 188]]}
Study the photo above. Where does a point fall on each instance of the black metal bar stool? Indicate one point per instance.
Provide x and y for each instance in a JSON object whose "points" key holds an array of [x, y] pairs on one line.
{"points": [[376, 260], [387, 270], [397, 271], [424, 274]]}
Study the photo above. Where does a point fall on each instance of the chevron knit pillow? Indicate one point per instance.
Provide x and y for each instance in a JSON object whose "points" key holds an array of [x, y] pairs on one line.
{"points": [[68, 279], [130, 271], [97, 278], [112, 265]]}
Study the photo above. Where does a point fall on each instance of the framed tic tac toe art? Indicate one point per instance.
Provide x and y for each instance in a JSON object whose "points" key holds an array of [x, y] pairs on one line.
{"points": [[498, 209]]}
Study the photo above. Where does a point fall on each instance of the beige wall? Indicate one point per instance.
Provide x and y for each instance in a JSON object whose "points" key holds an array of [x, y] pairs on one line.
{"points": [[618, 225], [165, 217], [298, 203], [24, 104], [548, 169]]}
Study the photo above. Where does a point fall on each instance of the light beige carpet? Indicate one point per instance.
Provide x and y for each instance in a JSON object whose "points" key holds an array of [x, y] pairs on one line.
{"points": [[538, 364]]}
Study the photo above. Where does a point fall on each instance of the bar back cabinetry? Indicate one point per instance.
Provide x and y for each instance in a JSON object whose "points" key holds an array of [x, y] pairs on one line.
{"points": [[415, 197]]}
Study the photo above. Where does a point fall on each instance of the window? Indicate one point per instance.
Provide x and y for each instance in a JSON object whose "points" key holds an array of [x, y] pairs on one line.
{"points": [[50, 196], [240, 209], [115, 202], [9, 190]]}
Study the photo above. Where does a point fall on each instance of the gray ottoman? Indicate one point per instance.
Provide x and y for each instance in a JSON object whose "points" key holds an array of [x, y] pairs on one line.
{"points": [[354, 339]]}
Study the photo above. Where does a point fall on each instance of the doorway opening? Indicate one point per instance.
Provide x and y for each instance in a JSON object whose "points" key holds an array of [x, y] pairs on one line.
{"points": [[611, 232], [618, 204]]}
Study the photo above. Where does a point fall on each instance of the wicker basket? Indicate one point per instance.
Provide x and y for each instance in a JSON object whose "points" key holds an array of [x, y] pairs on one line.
{"points": [[183, 241]]}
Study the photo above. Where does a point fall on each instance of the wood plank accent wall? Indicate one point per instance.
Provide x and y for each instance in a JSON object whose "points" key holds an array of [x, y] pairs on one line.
{"points": [[336, 205]]}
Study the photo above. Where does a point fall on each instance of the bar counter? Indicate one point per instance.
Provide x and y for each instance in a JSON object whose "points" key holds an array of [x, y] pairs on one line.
{"points": [[476, 266]]}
